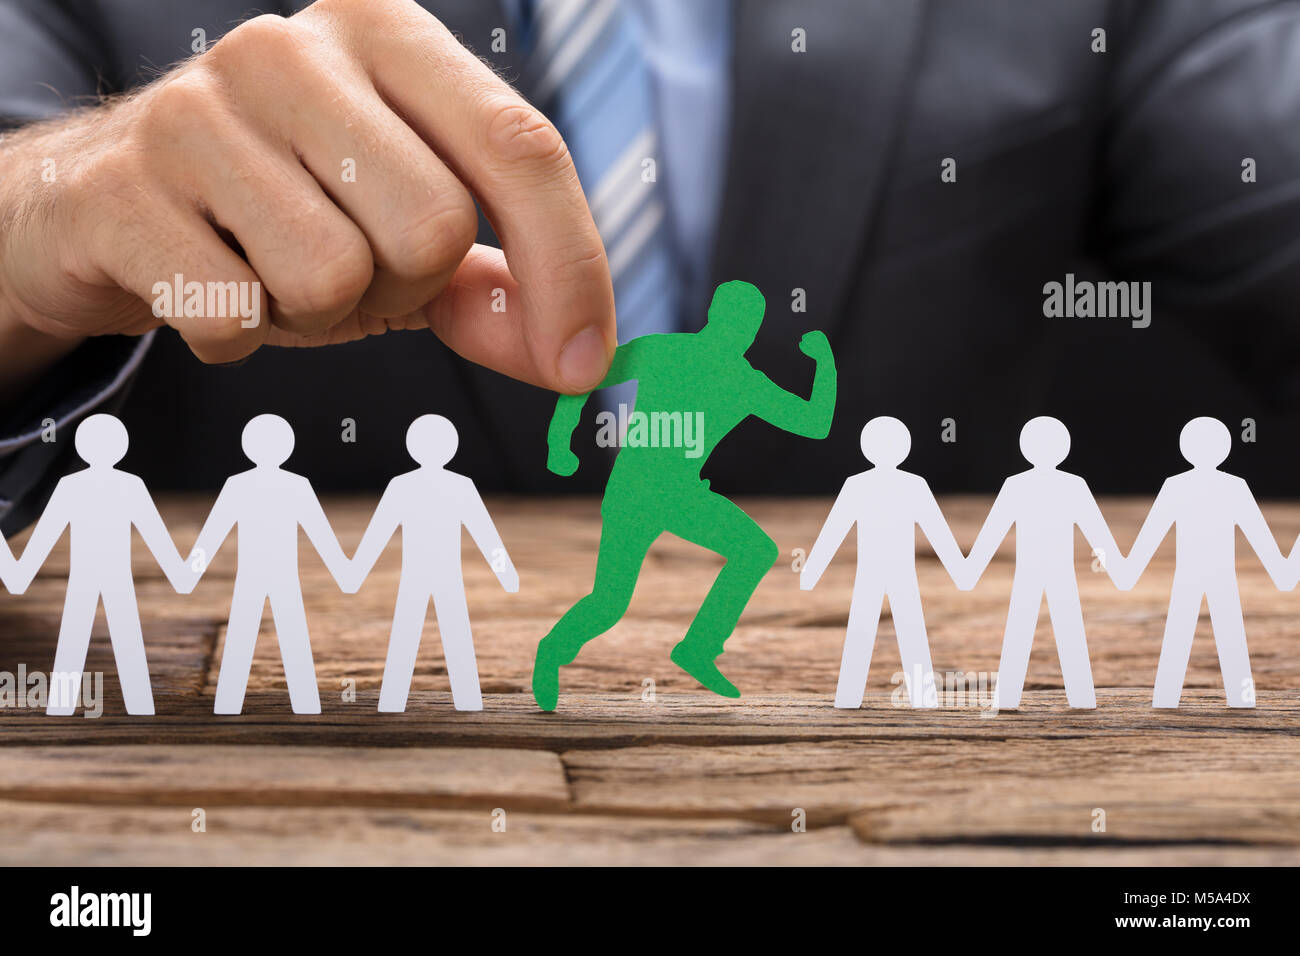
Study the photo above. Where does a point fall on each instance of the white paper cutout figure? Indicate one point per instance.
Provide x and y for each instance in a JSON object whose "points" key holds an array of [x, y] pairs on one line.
{"points": [[1206, 506], [99, 505], [430, 504], [1044, 504], [887, 504], [8, 566], [268, 504]]}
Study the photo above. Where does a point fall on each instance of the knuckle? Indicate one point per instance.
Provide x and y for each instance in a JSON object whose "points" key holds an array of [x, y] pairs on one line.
{"points": [[267, 40], [518, 133], [183, 102], [436, 243], [356, 10], [582, 266], [336, 281]]}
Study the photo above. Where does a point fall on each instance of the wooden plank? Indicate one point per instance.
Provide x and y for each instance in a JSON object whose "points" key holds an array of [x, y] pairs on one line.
{"points": [[79, 835], [1209, 789], [1122, 718], [686, 777], [283, 775], [1213, 808]]}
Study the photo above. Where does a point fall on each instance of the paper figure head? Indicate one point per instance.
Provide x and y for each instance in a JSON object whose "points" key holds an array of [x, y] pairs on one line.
{"points": [[432, 440], [101, 440], [885, 441], [736, 312], [1044, 441], [268, 440], [1205, 442]]}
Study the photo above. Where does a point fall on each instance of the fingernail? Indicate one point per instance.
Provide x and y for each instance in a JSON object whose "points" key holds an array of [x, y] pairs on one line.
{"points": [[584, 361]]}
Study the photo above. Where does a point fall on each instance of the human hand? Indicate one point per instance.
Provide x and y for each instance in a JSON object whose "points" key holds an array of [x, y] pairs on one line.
{"points": [[338, 149]]}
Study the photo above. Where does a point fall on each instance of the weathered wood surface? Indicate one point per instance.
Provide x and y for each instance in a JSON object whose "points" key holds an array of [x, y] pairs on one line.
{"points": [[618, 775]]}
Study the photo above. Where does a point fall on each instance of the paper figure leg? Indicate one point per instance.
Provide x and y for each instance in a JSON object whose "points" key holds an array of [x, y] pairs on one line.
{"points": [[913, 644], [295, 650], [859, 640], [1230, 641], [714, 522], [458, 647], [1071, 643], [237, 657], [70, 655], [624, 542], [1022, 619], [1180, 629], [403, 645], [128, 648]]}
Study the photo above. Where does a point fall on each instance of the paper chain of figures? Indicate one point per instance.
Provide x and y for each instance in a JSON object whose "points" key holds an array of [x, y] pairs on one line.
{"points": [[691, 390], [100, 504]]}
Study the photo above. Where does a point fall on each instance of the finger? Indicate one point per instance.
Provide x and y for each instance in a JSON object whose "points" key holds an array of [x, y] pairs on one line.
{"points": [[416, 218], [483, 316], [518, 167], [171, 258], [313, 260]]}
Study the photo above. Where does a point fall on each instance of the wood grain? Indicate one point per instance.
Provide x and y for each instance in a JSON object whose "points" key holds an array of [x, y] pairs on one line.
{"points": [[620, 774]]}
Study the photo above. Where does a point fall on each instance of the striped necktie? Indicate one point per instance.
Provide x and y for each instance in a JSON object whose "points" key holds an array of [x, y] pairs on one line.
{"points": [[590, 78]]}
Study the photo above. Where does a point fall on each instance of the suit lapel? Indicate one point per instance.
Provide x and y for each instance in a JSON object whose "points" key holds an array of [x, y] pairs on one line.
{"points": [[811, 137]]}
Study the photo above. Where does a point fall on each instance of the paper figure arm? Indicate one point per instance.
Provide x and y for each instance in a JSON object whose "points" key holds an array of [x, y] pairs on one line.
{"points": [[786, 410], [8, 566], [484, 532], [1255, 528], [1098, 535], [1159, 520], [383, 525], [46, 535], [1001, 517], [322, 537], [626, 366], [221, 519], [1293, 564], [147, 520], [834, 531], [937, 531]]}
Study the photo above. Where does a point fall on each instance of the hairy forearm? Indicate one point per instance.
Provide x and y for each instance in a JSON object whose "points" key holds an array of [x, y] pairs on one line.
{"points": [[29, 163]]}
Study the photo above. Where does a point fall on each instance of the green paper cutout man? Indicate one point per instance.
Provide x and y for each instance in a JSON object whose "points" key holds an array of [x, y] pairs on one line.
{"points": [[692, 380]]}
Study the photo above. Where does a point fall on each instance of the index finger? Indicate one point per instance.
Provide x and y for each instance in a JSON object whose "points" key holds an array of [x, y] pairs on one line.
{"points": [[517, 165]]}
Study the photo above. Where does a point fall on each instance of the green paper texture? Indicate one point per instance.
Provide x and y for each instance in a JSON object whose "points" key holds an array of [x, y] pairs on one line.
{"points": [[657, 487]]}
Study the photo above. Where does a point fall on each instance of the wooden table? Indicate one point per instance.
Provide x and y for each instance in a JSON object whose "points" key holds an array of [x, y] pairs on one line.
{"points": [[622, 775]]}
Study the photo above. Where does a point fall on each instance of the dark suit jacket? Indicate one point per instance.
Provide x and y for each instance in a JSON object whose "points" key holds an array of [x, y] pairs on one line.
{"points": [[1125, 163]]}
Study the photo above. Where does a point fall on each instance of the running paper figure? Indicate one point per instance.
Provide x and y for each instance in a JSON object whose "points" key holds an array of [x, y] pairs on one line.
{"points": [[268, 504], [655, 486], [99, 505], [1044, 503], [887, 504], [1206, 506], [430, 504]]}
